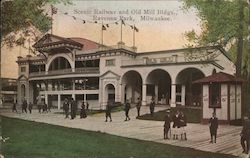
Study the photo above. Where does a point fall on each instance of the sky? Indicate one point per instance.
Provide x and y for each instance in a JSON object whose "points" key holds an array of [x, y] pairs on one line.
{"points": [[161, 26]]}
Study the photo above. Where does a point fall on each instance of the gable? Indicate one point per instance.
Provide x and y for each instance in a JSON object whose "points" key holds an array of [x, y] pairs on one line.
{"points": [[22, 78], [110, 74]]}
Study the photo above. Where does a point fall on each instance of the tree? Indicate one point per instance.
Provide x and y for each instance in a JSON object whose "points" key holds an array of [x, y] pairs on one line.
{"points": [[23, 19], [223, 22]]}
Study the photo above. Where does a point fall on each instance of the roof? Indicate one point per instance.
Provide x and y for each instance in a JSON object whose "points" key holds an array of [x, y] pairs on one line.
{"points": [[50, 39], [219, 77], [87, 44]]}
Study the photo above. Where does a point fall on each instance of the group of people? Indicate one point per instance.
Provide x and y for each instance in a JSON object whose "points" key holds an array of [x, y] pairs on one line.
{"points": [[42, 107], [178, 127]]}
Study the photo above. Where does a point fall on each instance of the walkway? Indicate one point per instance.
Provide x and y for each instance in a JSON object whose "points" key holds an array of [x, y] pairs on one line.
{"points": [[228, 141]]}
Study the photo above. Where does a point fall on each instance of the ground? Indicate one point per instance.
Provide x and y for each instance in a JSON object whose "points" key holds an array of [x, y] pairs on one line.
{"points": [[198, 135]]}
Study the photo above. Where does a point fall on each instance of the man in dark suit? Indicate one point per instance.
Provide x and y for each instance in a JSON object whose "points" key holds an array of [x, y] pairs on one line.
{"points": [[108, 112], [245, 135], [127, 108], [30, 107], [167, 125], [66, 108], [152, 106], [213, 128], [138, 106], [73, 107], [24, 106]]}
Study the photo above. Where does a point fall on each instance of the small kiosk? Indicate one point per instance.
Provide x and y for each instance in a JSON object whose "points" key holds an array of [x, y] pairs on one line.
{"points": [[222, 94]]}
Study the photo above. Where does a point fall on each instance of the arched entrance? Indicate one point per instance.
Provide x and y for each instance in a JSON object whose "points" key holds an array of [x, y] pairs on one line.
{"points": [[59, 63], [132, 82], [110, 93], [23, 92], [188, 93], [159, 86]]}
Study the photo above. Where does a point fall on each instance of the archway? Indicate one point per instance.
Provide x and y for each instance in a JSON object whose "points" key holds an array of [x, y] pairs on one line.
{"points": [[188, 93], [110, 93], [59, 63], [159, 86], [132, 81], [23, 91]]}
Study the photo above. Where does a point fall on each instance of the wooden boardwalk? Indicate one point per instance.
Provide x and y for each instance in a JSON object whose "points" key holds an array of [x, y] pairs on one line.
{"points": [[228, 141]]}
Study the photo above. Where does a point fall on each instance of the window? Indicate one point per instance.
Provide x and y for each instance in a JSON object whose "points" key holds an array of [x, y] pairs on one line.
{"points": [[110, 62], [214, 95], [23, 69]]}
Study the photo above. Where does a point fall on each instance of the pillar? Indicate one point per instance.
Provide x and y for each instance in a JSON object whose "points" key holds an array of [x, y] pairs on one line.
{"points": [[173, 96], [46, 98], [183, 93], [59, 101], [74, 96], [122, 92], [144, 94], [156, 93]]}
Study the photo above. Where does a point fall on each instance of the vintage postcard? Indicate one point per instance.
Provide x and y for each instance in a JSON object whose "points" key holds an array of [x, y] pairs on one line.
{"points": [[124, 79]]}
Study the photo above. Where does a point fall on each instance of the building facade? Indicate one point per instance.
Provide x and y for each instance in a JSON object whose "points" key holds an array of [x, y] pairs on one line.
{"points": [[87, 71]]}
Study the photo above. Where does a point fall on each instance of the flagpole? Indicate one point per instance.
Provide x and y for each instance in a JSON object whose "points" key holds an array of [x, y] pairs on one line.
{"points": [[134, 36], [102, 34], [121, 30], [51, 19]]}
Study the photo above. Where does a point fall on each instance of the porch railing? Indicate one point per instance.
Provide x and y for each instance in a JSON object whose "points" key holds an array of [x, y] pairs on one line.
{"points": [[89, 70]]}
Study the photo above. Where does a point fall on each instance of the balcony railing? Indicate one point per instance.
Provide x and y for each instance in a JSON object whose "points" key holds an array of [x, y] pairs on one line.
{"points": [[92, 70]]}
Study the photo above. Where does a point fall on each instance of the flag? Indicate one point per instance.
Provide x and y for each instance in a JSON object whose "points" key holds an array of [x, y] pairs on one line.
{"points": [[103, 27], [136, 29], [123, 22], [83, 21], [53, 10]]}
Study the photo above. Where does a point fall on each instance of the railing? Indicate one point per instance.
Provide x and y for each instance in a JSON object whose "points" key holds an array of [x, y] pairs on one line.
{"points": [[91, 70], [150, 61], [132, 62]]}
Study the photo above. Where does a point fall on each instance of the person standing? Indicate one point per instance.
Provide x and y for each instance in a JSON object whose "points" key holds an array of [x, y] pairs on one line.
{"points": [[83, 111], [167, 125], [138, 106], [24, 106], [14, 107], [176, 125], [127, 108], [108, 112], [213, 128], [45, 108], [73, 107], [152, 106], [245, 135], [30, 107], [66, 107], [183, 124]]}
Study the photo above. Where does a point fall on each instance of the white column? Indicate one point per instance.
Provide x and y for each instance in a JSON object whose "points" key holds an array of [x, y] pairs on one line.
{"points": [[46, 98], [144, 94], [74, 96], [156, 93], [59, 101], [173, 96], [122, 92], [183, 93], [85, 97]]}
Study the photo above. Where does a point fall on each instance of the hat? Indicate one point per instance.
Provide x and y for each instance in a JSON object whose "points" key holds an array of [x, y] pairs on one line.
{"points": [[168, 111]]}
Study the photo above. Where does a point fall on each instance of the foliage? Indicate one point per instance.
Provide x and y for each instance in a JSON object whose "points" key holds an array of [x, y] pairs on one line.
{"points": [[38, 140], [223, 22], [23, 19]]}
